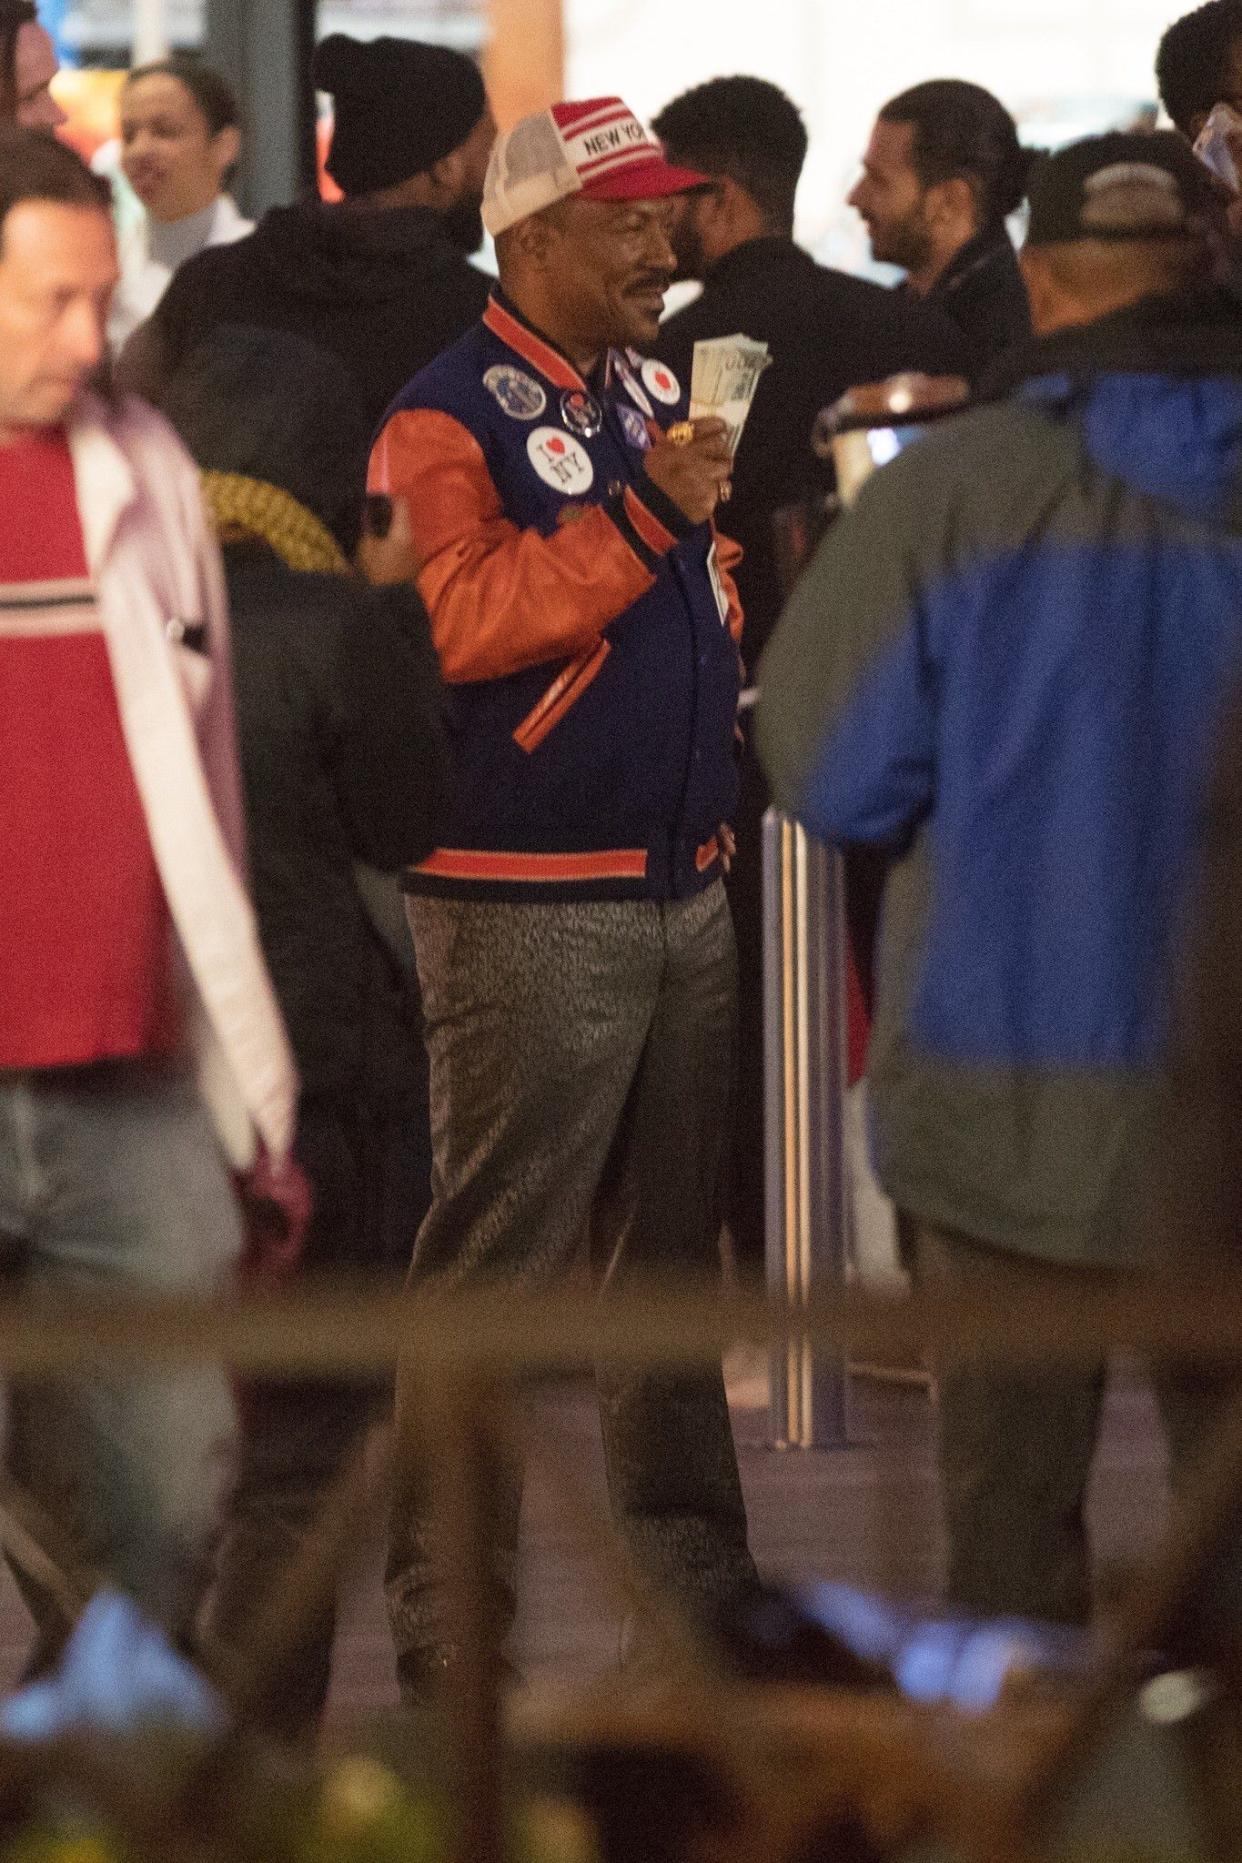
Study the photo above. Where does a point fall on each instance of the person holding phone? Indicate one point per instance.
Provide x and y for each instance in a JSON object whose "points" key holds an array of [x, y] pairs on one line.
{"points": [[1199, 76]]}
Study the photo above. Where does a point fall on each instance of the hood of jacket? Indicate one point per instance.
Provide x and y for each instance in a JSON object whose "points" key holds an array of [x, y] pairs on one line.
{"points": [[334, 252], [1155, 392]]}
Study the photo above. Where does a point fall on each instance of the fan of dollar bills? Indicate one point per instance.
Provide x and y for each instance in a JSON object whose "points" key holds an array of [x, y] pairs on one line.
{"points": [[725, 376]]}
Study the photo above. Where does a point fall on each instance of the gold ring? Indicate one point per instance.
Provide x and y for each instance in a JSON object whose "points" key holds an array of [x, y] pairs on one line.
{"points": [[726, 491], [681, 433]]}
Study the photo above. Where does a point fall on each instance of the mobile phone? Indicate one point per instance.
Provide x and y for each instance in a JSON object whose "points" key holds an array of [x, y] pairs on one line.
{"points": [[1218, 144]]}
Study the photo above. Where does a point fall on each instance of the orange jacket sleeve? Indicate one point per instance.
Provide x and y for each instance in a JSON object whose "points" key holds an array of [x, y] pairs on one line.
{"points": [[502, 599]]}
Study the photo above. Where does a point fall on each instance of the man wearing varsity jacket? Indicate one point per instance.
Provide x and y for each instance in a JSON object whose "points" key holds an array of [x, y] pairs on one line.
{"points": [[132, 993], [572, 934]]}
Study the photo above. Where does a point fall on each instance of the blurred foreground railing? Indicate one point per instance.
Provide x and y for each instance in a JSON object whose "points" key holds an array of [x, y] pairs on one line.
{"points": [[466, 1349], [339, 1327]]}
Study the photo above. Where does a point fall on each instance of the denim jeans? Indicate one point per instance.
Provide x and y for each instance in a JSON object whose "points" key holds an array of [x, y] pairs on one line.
{"points": [[111, 1179]]}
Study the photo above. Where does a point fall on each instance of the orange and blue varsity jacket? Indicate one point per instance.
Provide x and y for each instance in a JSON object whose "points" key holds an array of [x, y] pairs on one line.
{"points": [[587, 632]]}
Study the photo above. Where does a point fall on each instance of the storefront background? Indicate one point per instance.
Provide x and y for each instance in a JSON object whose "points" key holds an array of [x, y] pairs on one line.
{"points": [[1063, 67]]}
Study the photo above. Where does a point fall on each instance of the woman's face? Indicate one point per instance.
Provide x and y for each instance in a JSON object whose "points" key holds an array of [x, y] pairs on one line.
{"points": [[171, 159]]}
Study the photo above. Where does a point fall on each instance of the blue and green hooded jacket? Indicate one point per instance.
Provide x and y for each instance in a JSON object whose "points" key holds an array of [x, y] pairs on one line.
{"points": [[1008, 666]]}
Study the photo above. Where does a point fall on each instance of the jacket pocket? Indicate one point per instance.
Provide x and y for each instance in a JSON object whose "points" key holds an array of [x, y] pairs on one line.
{"points": [[561, 696]]}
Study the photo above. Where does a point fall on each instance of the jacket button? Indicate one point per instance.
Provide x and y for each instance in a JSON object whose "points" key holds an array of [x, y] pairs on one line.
{"points": [[615, 488]]}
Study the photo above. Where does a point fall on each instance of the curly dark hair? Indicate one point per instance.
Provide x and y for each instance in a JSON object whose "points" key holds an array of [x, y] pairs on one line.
{"points": [[14, 14], [961, 130], [744, 128], [1192, 60]]}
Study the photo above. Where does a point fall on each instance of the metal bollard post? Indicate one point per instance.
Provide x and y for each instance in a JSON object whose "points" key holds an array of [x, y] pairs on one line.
{"points": [[807, 1217]]}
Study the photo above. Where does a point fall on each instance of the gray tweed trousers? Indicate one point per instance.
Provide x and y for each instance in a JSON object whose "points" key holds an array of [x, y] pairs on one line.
{"points": [[581, 1068]]}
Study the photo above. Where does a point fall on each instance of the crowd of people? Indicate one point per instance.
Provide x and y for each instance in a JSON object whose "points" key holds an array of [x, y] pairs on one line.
{"points": [[324, 559]]}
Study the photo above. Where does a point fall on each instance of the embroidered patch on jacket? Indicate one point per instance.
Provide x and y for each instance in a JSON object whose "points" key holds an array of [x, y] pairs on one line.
{"points": [[634, 427], [519, 394], [633, 387], [561, 461], [581, 413], [660, 381]]}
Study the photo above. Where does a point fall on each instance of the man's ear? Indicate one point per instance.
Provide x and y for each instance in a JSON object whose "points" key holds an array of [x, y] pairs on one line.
{"points": [[228, 147], [535, 237], [1042, 289], [447, 177], [954, 200]]}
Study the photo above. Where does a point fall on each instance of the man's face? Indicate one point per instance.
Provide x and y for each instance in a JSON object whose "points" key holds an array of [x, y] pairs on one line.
{"points": [[1229, 90], [686, 233], [34, 67], [58, 271], [891, 200], [611, 263], [463, 219]]}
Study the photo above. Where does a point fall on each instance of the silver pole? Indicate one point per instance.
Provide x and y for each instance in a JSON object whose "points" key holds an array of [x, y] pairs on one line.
{"points": [[807, 1218]]}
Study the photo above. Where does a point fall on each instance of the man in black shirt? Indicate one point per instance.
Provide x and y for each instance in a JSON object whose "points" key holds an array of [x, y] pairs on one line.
{"points": [[942, 173], [381, 279], [827, 332]]}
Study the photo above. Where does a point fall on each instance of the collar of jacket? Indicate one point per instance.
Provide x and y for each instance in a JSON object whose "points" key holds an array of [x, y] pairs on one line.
{"points": [[103, 472], [974, 257], [506, 321], [756, 257], [1192, 333]]}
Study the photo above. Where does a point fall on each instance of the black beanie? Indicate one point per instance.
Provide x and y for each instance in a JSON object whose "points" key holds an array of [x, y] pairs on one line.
{"points": [[400, 106]]}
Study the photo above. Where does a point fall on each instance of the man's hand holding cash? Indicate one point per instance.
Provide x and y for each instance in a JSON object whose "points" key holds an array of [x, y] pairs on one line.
{"points": [[724, 379], [691, 463]]}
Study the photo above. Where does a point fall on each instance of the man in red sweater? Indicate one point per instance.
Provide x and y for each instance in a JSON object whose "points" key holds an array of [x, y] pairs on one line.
{"points": [[127, 949]]}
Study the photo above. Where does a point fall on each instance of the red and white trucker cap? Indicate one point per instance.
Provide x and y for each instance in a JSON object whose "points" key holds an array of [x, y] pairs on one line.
{"points": [[598, 149]]}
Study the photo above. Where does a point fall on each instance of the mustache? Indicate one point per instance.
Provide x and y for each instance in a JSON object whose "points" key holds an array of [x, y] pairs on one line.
{"points": [[652, 281]]}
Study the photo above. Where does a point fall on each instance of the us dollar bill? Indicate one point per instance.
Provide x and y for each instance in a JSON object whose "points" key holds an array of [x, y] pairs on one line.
{"points": [[724, 378]]}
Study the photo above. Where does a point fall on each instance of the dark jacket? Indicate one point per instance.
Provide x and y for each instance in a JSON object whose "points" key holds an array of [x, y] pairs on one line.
{"points": [[585, 628], [1009, 665], [982, 290], [383, 291], [827, 332], [343, 761]]}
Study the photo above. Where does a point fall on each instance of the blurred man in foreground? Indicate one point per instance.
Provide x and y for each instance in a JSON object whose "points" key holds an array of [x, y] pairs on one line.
{"points": [[942, 173], [1008, 667], [127, 946], [572, 934]]}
